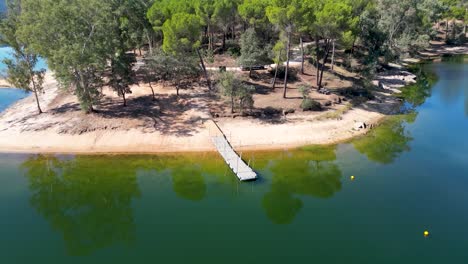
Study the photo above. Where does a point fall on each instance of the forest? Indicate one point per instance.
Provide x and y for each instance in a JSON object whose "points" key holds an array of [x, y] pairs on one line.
{"points": [[91, 44]]}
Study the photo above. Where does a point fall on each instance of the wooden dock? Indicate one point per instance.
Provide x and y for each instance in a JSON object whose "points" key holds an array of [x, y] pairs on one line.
{"points": [[238, 166]]}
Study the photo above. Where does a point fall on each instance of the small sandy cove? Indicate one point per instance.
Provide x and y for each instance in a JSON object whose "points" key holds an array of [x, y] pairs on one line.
{"points": [[169, 124]]}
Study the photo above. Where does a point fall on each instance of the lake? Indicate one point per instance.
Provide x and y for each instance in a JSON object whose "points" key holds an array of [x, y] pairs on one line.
{"points": [[6, 53], [9, 96], [411, 175]]}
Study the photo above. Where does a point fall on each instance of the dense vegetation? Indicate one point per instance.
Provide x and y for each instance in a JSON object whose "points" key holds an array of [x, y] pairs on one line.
{"points": [[86, 42]]}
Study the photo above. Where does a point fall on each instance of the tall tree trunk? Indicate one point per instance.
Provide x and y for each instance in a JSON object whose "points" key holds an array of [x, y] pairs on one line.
{"points": [[139, 50], [210, 47], [333, 56], [124, 99], [37, 102], [325, 57], [317, 59], [302, 56], [276, 70], [150, 43], [250, 72], [36, 96], [232, 104], [204, 70], [224, 41], [287, 65]]}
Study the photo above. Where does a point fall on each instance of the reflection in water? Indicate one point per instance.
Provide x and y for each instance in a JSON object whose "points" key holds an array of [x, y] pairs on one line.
{"points": [[416, 94], [188, 183], [456, 87], [189, 171], [308, 171], [386, 142], [87, 199]]}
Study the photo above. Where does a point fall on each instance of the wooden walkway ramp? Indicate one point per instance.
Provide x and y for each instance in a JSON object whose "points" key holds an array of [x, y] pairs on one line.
{"points": [[238, 166]]}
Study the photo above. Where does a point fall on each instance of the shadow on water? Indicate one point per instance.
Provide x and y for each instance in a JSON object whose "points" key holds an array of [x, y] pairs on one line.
{"points": [[308, 171]]}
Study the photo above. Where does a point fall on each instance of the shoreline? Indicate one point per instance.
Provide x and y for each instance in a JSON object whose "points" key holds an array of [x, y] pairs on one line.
{"points": [[54, 132]]}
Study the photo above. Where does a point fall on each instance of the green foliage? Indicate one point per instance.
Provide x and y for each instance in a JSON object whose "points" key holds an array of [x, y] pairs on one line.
{"points": [[397, 27], [77, 48], [253, 11], [21, 70], [304, 90], [181, 69], [233, 49], [181, 33], [310, 105], [252, 53], [239, 93], [122, 75]]}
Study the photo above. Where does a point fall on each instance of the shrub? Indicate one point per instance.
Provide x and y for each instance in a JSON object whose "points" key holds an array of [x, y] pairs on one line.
{"points": [[304, 90], [233, 48], [292, 73], [310, 105]]}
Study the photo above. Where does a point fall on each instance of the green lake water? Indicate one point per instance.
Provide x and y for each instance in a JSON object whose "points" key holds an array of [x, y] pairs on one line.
{"points": [[411, 175]]}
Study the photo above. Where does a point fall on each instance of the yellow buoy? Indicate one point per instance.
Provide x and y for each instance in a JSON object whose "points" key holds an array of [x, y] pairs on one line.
{"points": [[426, 233], [352, 178]]}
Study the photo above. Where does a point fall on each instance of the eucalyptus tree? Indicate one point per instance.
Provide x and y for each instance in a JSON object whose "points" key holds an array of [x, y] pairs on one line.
{"points": [[22, 70], [75, 37]]}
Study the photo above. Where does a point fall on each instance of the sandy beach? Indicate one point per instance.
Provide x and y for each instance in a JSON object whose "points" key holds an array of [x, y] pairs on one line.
{"points": [[63, 128], [181, 124]]}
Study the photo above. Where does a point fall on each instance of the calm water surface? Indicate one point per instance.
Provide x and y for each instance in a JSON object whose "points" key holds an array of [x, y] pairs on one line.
{"points": [[411, 175], [10, 96]]}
